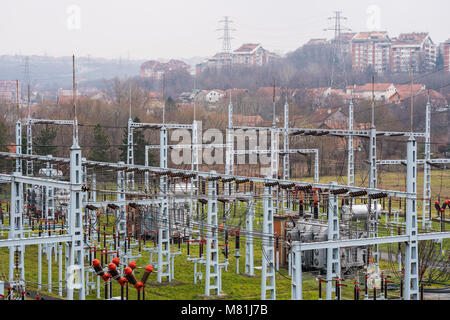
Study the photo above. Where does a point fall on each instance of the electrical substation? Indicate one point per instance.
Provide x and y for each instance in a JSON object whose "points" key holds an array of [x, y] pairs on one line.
{"points": [[218, 222]]}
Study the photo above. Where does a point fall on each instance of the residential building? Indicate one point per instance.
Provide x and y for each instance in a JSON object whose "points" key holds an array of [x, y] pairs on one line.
{"points": [[316, 42], [381, 91], [329, 117], [403, 91], [155, 69], [371, 49], [214, 96], [446, 54], [415, 50], [8, 91], [252, 54]]}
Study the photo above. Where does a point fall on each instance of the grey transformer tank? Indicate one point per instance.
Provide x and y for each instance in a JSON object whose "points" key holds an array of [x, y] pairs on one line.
{"points": [[314, 231]]}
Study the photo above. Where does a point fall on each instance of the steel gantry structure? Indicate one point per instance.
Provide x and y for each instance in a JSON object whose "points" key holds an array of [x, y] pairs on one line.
{"points": [[74, 237]]}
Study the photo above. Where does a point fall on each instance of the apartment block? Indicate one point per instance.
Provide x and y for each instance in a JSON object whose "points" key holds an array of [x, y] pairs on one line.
{"points": [[371, 49], [415, 50]]}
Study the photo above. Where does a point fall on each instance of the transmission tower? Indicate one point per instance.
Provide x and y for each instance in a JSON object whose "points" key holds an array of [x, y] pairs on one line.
{"points": [[226, 38], [338, 77]]}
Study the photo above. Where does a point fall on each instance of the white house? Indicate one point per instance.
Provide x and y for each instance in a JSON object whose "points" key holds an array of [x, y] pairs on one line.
{"points": [[214, 96]]}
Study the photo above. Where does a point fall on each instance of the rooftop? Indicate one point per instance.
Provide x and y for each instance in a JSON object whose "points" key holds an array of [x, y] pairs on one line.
{"points": [[247, 48], [372, 35]]}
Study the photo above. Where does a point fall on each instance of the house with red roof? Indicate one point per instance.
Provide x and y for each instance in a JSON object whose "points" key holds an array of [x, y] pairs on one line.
{"points": [[155, 69], [381, 91], [252, 54]]}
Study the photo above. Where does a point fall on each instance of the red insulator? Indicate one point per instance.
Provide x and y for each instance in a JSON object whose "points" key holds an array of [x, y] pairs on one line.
{"points": [[131, 279], [116, 261], [128, 270], [113, 271], [122, 281], [139, 285], [147, 272], [98, 267], [106, 276], [132, 265], [95, 263], [112, 266]]}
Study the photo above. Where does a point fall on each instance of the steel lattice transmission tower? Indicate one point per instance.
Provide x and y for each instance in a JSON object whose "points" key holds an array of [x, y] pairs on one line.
{"points": [[338, 77], [226, 38]]}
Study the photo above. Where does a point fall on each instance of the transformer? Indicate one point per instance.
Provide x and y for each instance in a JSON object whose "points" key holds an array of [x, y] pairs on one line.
{"points": [[358, 212], [311, 231]]}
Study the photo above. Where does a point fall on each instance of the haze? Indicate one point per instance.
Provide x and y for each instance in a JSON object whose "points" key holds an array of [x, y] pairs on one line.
{"points": [[135, 29]]}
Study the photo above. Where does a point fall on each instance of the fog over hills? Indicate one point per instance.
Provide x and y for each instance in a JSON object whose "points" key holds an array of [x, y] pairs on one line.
{"points": [[47, 72]]}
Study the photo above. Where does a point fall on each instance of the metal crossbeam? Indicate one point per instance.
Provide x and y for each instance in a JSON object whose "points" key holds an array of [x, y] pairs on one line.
{"points": [[34, 240], [391, 193], [144, 125]]}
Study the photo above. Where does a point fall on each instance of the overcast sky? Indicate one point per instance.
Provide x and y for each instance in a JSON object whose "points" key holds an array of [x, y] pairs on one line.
{"points": [[150, 29]]}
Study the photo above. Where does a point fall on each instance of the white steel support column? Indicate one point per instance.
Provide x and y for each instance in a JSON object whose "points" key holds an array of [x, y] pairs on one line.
{"points": [[350, 158], [229, 155], [249, 260], [94, 187], [286, 166], [18, 146], [373, 220], [29, 146], [147, 174], [75, 267], [49, 267], [130, 155], [60, 263], [316, 166], [427, 170], [121, 229], [49, 194], [16, 228], [213, 275], [411, 248], [296, 280], [268, 254], [163, 230], [333, 254], [84, 180], [39, 267], [274, 153]]}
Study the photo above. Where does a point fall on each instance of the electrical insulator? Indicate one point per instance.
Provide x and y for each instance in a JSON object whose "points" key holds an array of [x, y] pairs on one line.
{"points": [[437, 206], [132, 265], [147, 272], [97, 267], [130, 276], [446, 204], [139, 285], [116, 261], [113, 271], [106, 276], [122, 281]]}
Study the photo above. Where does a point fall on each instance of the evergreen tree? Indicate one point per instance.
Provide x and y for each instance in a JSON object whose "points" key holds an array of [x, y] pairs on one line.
{"points": [[101, 142], [44, 143], [4, 137]]}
